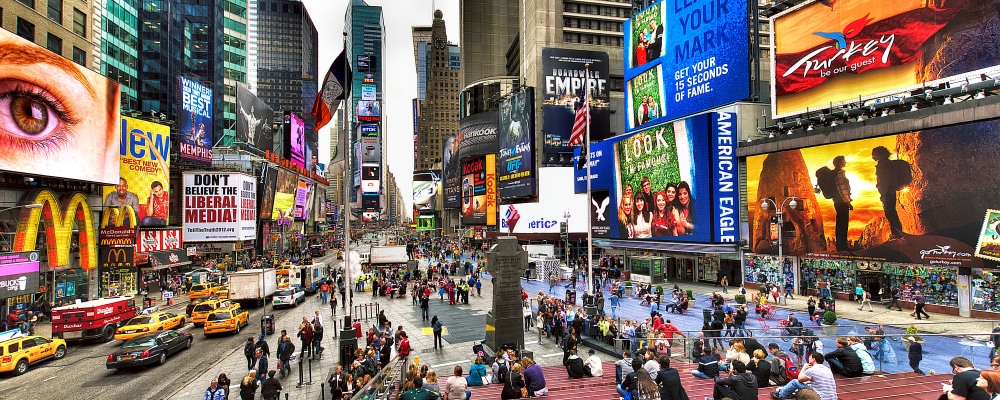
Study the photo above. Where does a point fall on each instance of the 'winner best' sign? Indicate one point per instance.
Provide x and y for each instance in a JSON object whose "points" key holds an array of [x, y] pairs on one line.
{"points": [[219, 207]]}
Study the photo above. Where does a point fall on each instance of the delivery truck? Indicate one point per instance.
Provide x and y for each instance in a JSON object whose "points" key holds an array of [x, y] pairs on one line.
{"points": [[252, 286]]}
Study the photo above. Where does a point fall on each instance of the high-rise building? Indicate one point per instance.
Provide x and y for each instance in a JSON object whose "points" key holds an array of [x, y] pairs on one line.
{"points": [[421, 46], [234, 65], [335, 170], [439, 107], [70, 28], [365, 28], [487, 28], [120, 49]]}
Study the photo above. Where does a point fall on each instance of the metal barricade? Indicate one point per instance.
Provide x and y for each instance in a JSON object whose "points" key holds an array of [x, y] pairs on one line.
{"points": [[365, 311]]}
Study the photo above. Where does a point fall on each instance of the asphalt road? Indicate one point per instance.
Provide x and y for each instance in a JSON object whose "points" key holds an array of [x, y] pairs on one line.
{"points": [[82, 374]]}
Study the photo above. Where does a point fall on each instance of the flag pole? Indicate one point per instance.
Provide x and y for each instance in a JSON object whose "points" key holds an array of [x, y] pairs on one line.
{"points": [[590, 241], [346, 139]]}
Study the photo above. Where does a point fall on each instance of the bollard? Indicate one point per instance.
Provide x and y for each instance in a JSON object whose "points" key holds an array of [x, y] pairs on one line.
{"points": [[299, 385], [322, 391], [310, 382], [286, 396]]}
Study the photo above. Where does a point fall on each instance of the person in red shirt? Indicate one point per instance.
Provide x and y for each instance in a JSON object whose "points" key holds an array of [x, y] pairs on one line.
{"points": [[669, 330], [157, 206], [324, 292], [403, 349]]}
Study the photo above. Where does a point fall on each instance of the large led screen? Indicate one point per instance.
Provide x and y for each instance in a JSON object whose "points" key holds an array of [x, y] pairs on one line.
{"points": [[145, 172], [516, 136], [196, 121], [254, 121], [452, 172], [554, 200], [479, 202], [295, 142], [284, 197], [565, 73]]}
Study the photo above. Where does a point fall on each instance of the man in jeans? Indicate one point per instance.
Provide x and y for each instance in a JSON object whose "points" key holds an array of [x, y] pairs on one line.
{"points": [[814, 375]]}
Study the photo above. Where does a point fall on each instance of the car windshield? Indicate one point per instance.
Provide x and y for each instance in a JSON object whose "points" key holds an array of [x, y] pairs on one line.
{"points": [[144, 341], [284, 293], [204, 307], [198, 287], [219, 316], [139, 320]]}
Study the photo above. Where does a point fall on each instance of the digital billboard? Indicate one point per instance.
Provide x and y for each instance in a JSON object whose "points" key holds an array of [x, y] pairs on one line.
{"points": [[516, 137], [196, 121], [145, 172], [426, 186], [219, 207], [301, 198], [369, 130], [478, 134], [452, 182], [369, 110], [268, 185], [371, 151], [370, 202], [869, 49], [19, 274], [295, 139], [370, 178], [682, 58], [564, 74], [554, 200], [254, 121], [479, 202], [62, 119], [284, 197], [312, 147], [893, 198]]}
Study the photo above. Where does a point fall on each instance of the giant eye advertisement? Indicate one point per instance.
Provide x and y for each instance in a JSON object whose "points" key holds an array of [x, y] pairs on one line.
{"points": [[196, 121], [145, 172], [58, 118], [516, 135]]}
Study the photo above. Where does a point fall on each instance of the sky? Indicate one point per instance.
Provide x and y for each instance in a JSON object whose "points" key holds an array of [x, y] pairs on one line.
{"points": [[400, 76]]}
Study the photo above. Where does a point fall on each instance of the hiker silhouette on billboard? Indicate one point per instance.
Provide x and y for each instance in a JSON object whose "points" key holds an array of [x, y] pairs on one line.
{"points": [[892, 176], [835, 186]]}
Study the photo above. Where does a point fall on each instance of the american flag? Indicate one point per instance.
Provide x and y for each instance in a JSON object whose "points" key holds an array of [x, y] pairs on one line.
{"points": [[580, 122]]}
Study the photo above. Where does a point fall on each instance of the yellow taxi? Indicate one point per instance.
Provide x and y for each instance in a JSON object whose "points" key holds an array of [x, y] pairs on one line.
{"points": [[158, 321], [223, 292], [201, 311], [227, 320], [18, 353], [340, 255], [203, 290]]}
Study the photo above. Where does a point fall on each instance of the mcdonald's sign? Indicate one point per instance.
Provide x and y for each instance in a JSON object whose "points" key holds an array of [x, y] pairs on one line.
{"points": [[117, 257], [58, 218], [118, 228]]}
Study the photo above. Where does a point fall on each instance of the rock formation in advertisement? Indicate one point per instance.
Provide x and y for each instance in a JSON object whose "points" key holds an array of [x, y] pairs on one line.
{"points": [[959, 45], [785, 174]]}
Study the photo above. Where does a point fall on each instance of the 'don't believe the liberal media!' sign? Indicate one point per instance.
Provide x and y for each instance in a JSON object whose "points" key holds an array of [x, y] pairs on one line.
{"points": [[219, 207]]}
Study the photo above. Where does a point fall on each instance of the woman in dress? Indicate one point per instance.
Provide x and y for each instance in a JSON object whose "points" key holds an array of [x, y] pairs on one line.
{"points": [[663, 217], [643, 219]]}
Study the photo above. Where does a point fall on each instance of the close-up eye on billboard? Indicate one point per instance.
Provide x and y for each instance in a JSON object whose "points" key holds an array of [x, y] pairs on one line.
{"points": [[196, 121], [869, 49], [70, 114]]}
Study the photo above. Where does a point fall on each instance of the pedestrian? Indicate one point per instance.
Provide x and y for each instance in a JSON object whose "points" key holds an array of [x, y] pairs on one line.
{"points": [[260, 365], [963, 383], [248, 386], [262, 345], [215, 392], [333, 305], [919, 299], [916, 354], [894, 295], [271, 389], [437, 326], [858, 292], [224, 383], [305, 335], [317, 339], [285, 351], [324, 292], [866, 299], [248, 349], [424, 308], [724, 282]]}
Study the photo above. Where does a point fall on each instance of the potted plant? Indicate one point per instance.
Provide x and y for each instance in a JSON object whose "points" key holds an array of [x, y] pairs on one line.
{"points": [[740, 298], [911, 331], [830, 325], [690, 294]]}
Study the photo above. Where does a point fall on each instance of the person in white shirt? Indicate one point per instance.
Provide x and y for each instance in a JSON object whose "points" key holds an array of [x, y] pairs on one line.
{"points": [[594, 363]]}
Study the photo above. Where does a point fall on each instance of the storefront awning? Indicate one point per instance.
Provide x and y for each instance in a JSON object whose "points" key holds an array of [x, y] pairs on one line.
{"points": [[167, 259], [675, 246]]}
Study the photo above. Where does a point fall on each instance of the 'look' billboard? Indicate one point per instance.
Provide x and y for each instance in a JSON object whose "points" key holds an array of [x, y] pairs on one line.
{"points": [[59, 119], [145, 172], [196, 121], [871, 49], [516, 136], [219, 207]]}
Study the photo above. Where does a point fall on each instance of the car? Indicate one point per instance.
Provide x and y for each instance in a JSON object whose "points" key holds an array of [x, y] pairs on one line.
{"points": [[317, 250], [223, 292], [209, 271], [17, 354], [202, 310], [289, 297], [149, 348], [157, 321], [227, 320], [203, 290], [340, 255]]}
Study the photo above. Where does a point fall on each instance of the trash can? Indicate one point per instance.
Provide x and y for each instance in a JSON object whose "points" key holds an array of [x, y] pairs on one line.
{"points": [[267, 324], [148, 303], [571, 296]]}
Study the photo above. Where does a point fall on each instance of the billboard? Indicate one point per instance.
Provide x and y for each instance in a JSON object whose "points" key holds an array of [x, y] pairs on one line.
{"points": [[369, 130], [284, 197], [312, 148], [219, 207], [145, 172], [869, 49], [159, 240], [478, 133], [301, 197], [268, 186], [682, 58], [426, 189], [295, 145], [369, 110], [479, 202], [988, 246], [371, 151], [254, 122], [367, 91], [370, 178], [426, 223], [553, 201], [893, 198], [18, 274], [196, 121], [65, 122], [452, 174], [63, 217], [516, 138], [564, 76], [370, 202]]}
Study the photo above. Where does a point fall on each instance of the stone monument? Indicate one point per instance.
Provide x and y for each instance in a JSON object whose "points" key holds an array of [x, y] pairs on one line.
{"points": [[504, 321]]}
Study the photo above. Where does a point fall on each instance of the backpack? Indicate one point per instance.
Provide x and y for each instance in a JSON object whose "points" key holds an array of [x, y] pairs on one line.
{"points": [[901, 171], [501, 372], [826, 179], [791, 370]]}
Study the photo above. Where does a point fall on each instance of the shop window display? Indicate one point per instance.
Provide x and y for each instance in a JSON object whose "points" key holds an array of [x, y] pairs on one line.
{"points": [[985, 284], [937, 284], [840, 274], [766, 269]]}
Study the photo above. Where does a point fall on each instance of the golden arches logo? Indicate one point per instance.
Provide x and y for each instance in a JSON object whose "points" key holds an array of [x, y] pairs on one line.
{"points": [[115, 217], [59, 218], [116, 258]]}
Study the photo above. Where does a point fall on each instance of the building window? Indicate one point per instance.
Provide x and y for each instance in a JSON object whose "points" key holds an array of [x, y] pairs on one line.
{"points": [[79, 56], [79, 23], [25, 29], [55, 10], [29, 3], [54, 44]]}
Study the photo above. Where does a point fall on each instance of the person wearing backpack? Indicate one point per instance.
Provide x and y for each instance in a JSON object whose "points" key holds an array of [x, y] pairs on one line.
{"points": [[834, 185], [891, 176], [782, 367]]}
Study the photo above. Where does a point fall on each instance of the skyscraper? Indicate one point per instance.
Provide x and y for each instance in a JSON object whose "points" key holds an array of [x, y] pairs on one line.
{"points": [[120, 49], [70, 28], [365, 28], [234, 64], [439, 108]]}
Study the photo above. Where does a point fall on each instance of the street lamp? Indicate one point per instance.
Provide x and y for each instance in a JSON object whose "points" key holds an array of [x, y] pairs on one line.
{"points": [[565, 235], [791, 202]]}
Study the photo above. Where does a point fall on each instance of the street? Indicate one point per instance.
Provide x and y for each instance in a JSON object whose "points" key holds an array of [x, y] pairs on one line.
{"points": [[82, 373]]}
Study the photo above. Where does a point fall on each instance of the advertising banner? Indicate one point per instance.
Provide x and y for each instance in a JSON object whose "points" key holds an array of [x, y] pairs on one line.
{"points": [[892, 198], [65, 124], [284, 197], [426, 186], [370, 202], [517, 145], [18, 274], [371, 151], [869, 49], [309, 207], [159, 240], [254, 122], [452, 174], [564, 75], [479, 191], [368, 130], [196, 121], [478, 135], [369, 111], [426, 223], [367, 92], [698, 52], [600, 224], [553, 201], [602, 167], [301, 197], [370, 178], [219, 207], [312, 147], [267, 187], [145, 172], [988, 246], [295, 139]]}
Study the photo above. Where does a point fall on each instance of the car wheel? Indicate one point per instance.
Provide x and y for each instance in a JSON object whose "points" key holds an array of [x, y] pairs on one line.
{"points": [[109, 333], [163, 358], [189, 342], [238, 328], [21, 367], [60, 352]]}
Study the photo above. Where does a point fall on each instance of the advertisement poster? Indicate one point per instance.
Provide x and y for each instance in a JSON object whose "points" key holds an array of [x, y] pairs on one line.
{"points": [[516, 161], [600, 224], [18, 274], [371, 151], [452, 172], [160, 240], [284, 197], [371, 178], [474, 192], [989, 239], [553, 202], [301, 196], [645, 97], [268, 186], [310, 205], [369, 111], [68, 127], [370, 202], [564, 75], [295, 146], [219, 207], [702, 50], [254, 121], [312, 147], [478, 133], [425, 190], [196, 121], [145, 172], [870, 49], [892, 198]]}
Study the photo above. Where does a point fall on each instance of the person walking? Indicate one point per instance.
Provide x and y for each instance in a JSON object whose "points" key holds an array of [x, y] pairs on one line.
{"points": [[248, 386], [248, 349], [437, 326], [725, 284], [916, 354], [224, 383], [894, 296], [866, 299], [271, 389], [215, 392], [285, 351], [920, 300]]}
